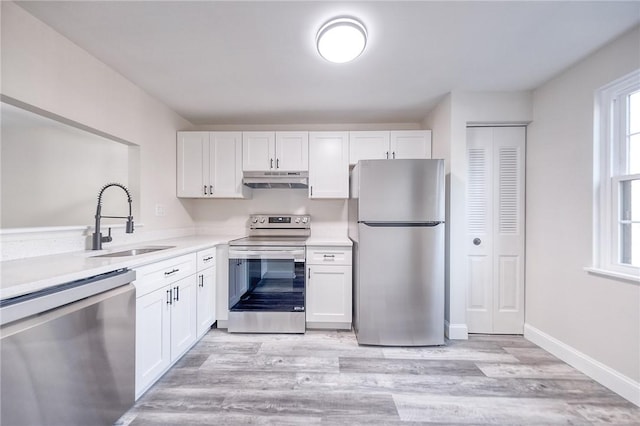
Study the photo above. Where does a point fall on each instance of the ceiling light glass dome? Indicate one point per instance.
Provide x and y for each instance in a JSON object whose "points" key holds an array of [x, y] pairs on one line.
{"points": [[341, 40]]}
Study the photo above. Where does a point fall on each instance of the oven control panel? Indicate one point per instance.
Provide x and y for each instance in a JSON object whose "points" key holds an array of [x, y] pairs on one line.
{"points": [[260, 221]]}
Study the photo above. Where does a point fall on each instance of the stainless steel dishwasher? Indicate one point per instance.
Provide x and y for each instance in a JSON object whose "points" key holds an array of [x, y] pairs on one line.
{"points": [[68, 353]]}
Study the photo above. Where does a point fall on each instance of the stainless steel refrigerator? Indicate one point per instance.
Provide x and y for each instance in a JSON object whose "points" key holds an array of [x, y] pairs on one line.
{"points": [[396, 223]]}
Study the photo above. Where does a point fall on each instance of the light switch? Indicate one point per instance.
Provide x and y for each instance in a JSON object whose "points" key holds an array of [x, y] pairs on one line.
{"points": [[160, 210]]}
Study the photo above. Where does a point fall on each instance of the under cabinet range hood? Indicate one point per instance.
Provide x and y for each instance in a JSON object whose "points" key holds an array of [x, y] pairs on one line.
{"points": [[275, 180]]}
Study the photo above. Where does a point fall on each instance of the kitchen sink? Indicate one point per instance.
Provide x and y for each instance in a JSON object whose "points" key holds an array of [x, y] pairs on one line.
{"points": [[134, 251]]}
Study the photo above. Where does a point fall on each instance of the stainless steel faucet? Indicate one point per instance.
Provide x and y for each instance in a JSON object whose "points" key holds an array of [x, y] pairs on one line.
{"points": [[98, 239]]}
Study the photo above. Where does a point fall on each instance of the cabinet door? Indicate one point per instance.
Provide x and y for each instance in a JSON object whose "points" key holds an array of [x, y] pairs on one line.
{"points": [[328, 164], [225, 164], [258, 151], [206, 311], [192, 163], [292, 151], [183, 316], [372, 145], [329, 294], [153, 337], [410, 144]]}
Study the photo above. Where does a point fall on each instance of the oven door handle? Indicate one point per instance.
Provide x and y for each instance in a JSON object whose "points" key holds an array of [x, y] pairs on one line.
{"points": [[267, 254]]}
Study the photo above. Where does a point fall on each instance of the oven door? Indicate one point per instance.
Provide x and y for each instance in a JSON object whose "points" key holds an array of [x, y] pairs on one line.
{"points": [[266, 279]]}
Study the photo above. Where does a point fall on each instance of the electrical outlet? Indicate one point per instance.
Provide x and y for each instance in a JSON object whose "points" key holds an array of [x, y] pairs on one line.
{"points": [[160, 210]]}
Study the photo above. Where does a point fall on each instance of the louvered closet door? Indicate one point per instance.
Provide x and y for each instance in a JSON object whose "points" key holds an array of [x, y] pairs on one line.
{"points": [[495, 229]]}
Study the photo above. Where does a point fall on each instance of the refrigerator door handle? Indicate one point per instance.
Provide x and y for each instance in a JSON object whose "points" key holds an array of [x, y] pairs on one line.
{"points": [[400, 224]]}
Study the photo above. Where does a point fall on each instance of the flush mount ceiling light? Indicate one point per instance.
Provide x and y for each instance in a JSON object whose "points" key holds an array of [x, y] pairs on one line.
{"points": [[341, 40]]}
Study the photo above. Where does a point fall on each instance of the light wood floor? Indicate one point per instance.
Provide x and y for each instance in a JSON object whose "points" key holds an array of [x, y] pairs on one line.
{"points": [[325, 377]]}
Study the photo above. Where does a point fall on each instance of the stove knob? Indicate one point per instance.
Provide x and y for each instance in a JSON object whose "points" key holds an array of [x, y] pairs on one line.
{"points": [[254, 220], [305, 219], [262, 219], [297, 220]]}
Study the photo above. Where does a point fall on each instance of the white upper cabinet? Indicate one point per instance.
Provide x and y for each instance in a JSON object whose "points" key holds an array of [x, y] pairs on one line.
{"points": [[292, 151], [373, 145], [380, 145], [210, 165], [225, 165], [328, 164], [191, 163], [275, 151], [410, 144], [258, 151]]}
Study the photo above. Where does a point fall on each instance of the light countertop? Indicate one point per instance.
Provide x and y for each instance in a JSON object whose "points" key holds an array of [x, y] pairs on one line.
{"points": [[23, 276], [330, 241]]}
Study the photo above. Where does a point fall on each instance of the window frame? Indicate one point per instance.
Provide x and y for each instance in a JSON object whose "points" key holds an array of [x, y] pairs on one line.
{"points": [[610, 169]]}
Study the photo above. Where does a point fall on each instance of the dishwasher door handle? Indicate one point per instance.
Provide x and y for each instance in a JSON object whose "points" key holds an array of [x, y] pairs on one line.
{"points": [[40, 301]]}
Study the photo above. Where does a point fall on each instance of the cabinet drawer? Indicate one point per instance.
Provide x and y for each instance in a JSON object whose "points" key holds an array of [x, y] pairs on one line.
{"points": [[329, 255], [206, 258], [156, 275]]}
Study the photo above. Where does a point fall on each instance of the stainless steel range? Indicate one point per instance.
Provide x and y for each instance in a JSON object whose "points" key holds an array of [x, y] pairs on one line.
{"points": [[267, 275]]}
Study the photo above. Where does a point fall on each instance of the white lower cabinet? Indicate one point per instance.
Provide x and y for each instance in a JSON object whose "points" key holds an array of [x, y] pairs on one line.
{"points": [[175, 305], [206, 285], [329, 289], [183, 317], [153, 338], [165, 329]]}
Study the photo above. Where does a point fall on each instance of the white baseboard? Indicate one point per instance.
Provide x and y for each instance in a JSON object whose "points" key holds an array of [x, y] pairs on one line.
{"points": [[606, 376], [456, 331]]}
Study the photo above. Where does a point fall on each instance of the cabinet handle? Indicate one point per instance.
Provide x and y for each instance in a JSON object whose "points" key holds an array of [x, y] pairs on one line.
{"points": [[201, 280], [206, 259], [394, 155], [329, 256], [168, 297], [271, 166], [309, 276], [210, 189], [205, 190], [166, 274], [311, 187], [387, 154], [177, 296], [277, 163]]}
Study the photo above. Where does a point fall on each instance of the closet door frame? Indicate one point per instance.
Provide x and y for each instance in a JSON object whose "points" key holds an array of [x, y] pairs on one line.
{"points": [[495, 229]]}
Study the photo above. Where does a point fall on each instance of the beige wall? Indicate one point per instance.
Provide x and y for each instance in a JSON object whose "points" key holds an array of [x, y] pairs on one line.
{"points": [[599, 317], [329, 217], [42, 68], [460, 109], [76, 164], [439, 121]]}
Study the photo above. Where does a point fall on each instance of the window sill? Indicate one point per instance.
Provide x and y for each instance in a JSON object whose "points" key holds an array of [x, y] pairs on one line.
{"points": [[612, 274]]}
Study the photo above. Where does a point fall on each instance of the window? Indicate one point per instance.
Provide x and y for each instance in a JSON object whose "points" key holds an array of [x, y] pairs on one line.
{"points": [[617, 167]]}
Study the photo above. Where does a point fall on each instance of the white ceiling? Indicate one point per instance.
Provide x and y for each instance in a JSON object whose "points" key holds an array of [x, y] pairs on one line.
{"points": [[242, 62]]}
